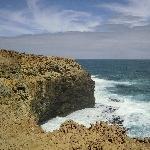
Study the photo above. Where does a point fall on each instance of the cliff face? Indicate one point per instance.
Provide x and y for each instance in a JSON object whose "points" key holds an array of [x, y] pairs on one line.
{"points": [[45, 86]]}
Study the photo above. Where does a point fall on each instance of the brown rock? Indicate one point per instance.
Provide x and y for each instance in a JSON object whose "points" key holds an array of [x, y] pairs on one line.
{"points": [[50, 85]]}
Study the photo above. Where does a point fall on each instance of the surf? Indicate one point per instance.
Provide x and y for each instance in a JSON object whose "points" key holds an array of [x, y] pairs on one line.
{"points": [[114, 108]]}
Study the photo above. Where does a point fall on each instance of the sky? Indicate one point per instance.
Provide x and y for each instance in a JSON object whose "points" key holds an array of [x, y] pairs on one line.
{"points": [[96, 29]]}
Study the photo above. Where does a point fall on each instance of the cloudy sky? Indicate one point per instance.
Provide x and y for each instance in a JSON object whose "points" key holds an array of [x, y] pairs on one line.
{"points": [[77, 28]]}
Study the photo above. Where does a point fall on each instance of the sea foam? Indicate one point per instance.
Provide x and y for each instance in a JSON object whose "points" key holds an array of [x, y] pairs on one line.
{"points": [[135, 114]]}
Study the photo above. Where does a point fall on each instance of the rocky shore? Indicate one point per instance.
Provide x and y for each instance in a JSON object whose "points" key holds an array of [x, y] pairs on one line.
{"points": [[36, 88]]}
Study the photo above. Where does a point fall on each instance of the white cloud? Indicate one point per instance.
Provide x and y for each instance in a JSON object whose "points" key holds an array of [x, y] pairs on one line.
{"points": [[38, 19], [128, 20], [137, 8], [135, 13]]}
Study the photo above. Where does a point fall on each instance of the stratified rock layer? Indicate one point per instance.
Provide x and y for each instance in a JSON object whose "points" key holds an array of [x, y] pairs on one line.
{"points": [[46, 86]]}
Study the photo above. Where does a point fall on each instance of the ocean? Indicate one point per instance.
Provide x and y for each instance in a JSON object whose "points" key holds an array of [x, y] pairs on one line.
{"points": [[122, 96]]}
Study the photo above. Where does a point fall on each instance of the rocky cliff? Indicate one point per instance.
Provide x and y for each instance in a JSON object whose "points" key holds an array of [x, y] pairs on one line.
{"points": [[36, 88], [45, 86]]}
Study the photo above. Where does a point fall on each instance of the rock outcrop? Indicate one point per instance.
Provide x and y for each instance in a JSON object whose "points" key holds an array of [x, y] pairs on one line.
{"points": [[45, 86]]}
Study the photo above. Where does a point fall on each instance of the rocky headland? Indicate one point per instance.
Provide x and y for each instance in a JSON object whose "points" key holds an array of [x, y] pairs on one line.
{"points": [[35, 88]]}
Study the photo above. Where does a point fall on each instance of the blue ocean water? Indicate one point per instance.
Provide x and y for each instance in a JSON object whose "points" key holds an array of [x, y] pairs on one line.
{"points": [[122, 95], [135, 72], [128, 83]]}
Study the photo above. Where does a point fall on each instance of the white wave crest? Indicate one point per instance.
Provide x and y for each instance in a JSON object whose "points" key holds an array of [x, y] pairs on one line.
{"points": [[136, 114]]}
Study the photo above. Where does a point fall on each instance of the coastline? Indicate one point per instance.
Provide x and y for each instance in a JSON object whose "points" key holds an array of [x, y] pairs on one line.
{"points": [[23, 106]]}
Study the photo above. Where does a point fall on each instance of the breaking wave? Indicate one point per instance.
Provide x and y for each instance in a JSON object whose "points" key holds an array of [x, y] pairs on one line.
{"points": [[111, 106]]}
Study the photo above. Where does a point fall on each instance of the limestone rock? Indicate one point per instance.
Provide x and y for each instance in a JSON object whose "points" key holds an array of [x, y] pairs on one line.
{"points": [[48, 86]]}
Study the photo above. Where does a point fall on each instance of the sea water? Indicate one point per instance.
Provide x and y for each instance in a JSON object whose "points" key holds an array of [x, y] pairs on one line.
{"points": [[122, 95]]}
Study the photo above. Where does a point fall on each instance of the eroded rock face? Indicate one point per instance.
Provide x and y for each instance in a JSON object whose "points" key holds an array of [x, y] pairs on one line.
{"points": [[47, 86]]}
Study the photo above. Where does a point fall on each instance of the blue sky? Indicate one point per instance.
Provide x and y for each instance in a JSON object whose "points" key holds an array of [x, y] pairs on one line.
{"points": [[77, 28], [19, 17]]}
